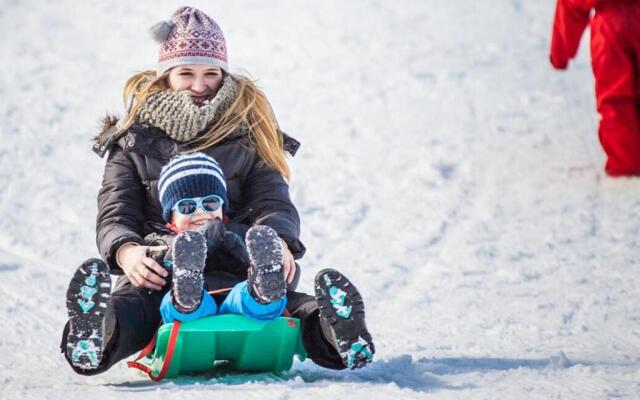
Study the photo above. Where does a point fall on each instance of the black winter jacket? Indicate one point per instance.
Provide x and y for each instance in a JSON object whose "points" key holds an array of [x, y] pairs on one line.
{"points": [[128, 204]]}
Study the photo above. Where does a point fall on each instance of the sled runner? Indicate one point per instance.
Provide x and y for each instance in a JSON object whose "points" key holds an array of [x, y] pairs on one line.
{"points": [[197, 346]]}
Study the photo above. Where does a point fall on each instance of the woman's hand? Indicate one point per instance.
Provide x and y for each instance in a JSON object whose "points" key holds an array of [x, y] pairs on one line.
{"points": [[288, 262], [141, 270]]}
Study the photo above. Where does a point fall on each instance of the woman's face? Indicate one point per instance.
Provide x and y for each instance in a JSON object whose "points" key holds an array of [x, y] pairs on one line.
{"points": [[201, 80]]}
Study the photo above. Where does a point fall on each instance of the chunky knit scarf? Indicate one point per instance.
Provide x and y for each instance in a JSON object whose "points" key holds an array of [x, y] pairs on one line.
{"points": [[175, 113]]}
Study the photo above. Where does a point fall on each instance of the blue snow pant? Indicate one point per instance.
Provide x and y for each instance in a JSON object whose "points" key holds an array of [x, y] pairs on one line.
{"points": [[238, 301]]}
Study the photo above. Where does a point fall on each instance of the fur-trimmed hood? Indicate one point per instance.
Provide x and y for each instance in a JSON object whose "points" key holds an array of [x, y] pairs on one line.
{"points": [[107, 122]]}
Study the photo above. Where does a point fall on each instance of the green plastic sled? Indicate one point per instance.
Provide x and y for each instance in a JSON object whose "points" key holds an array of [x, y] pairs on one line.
{"points": [[247, 344]]}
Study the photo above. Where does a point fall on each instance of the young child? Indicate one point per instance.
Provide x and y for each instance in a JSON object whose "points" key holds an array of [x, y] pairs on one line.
{"points": [[193, 196], [615, 55]]}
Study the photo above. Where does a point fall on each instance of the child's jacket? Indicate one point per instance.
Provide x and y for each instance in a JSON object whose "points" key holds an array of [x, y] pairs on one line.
{"points": [[228, 255]]}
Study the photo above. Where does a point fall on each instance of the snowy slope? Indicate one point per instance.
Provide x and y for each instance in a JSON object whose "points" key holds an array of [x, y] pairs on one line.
{"points": [[445, 168]]}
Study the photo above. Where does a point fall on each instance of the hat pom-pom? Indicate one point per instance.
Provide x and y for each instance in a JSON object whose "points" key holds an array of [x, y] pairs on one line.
{"points": [[161, 31]]}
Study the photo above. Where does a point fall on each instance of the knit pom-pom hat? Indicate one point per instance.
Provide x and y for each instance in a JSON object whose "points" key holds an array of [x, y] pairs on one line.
{"points": [[190, 175], [189, 37]]}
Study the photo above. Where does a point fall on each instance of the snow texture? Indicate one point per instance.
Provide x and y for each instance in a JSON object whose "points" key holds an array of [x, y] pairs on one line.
{"points": [[446, 169]]}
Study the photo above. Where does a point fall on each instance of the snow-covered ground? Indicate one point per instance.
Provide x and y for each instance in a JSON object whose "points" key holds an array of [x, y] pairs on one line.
{"points": [[445, 168]]}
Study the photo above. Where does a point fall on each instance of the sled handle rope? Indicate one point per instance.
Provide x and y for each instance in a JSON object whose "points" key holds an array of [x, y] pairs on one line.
{"points": [[170, 347], [149, 348]]}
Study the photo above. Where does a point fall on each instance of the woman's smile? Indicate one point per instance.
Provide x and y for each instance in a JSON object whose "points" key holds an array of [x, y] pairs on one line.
{"points": [[199, 100]]}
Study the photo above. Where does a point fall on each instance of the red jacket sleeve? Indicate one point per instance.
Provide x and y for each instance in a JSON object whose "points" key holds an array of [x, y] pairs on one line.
{"points": [[571, 19]]}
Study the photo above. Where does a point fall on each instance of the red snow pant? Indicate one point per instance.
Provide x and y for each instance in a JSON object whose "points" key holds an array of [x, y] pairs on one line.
{"points": [[615, 59]]}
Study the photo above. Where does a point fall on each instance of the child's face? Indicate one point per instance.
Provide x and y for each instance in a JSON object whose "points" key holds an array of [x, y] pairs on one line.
{"points": [[194, 221]]}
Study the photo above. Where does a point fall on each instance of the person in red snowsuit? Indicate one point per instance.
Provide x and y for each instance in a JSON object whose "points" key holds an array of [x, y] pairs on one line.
{"points": [[615, 59]]}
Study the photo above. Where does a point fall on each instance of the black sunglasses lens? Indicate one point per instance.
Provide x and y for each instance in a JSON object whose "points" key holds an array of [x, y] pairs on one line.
{"points": [[187, 207], [211, 203]]}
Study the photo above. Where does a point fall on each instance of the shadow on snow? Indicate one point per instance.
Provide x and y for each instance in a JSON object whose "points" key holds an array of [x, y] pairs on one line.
{"points": [[419, 375]]}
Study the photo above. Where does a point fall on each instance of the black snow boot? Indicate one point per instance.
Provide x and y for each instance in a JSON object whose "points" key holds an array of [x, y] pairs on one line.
{"points": [[189, 257], [87, 299], [266, 278], [342, 318]]}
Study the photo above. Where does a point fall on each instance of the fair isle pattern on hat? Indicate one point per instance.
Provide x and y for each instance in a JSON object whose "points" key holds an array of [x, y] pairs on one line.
{"points": [[190, 175], [195, 38]]}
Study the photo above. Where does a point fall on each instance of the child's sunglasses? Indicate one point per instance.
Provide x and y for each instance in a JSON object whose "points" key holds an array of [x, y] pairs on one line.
{"points": [[209, 203]]}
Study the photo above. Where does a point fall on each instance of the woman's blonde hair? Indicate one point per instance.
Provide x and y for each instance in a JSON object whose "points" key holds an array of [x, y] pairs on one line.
{"points": [[250, 106]]}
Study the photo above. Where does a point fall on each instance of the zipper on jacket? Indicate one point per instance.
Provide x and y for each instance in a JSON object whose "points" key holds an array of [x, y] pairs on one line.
{"points": [[147, 185]]}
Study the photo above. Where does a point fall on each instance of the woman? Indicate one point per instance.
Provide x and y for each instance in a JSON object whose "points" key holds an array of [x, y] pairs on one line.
{"points": [[192, 103]]}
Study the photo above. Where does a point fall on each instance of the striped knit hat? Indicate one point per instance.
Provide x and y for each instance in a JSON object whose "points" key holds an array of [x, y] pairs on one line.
{"points": [[190, 175], [189, 37]]}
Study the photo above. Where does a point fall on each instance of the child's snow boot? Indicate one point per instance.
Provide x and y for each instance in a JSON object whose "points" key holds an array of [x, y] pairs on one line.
{"points": [[266, 278], [87, 298], [189, 256], [342, 318]]}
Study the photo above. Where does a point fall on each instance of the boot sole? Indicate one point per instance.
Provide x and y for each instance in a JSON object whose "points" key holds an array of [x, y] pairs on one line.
{"points": [[189, 257], [87, 299], [342, 308], [265, 255]]}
